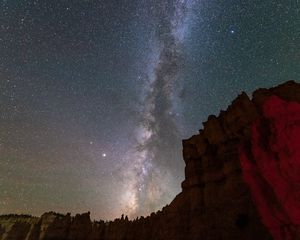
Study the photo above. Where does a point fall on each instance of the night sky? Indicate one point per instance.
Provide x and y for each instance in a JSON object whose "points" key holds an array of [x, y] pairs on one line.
{"points": [[96, 96]]}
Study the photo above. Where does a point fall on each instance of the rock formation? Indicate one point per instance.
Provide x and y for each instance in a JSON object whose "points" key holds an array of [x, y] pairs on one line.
{"points": [[271, 167], [215, 202]]}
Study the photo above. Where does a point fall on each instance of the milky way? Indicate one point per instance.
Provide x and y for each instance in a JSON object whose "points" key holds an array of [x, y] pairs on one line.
{"points": [[96, 96], [158, 135]]}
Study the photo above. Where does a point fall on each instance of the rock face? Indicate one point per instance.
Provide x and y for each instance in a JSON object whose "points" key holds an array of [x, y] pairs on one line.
{"points": [[215, 202], [271, 167]]}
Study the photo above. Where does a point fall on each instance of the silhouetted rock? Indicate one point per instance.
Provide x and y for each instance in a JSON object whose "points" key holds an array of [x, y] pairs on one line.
{"points": [[215, 202], [54, 226]]}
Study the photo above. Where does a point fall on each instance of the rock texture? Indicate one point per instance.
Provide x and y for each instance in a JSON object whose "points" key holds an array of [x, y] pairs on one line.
{"points": [[271, 167], [215, 202]]}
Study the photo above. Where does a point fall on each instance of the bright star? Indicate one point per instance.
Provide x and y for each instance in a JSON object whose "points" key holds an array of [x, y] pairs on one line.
{"points": [[103, 154]]}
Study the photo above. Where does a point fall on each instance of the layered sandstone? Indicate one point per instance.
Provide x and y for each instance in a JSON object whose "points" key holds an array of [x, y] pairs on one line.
{"points": [[215, 202]]}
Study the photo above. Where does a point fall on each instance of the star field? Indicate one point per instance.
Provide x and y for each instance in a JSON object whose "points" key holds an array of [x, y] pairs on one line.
{"points": [[95, 96]]}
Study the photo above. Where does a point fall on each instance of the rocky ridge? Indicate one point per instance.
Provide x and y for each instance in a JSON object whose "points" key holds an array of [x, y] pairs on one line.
{"points": [[215, 203]]}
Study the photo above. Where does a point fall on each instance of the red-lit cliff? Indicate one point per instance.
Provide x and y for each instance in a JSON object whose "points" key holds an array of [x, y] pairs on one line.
{"points": [[219, 198]]}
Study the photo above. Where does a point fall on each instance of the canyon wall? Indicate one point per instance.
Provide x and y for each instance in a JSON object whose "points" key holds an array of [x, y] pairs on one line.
{"points": [[215, 202]]}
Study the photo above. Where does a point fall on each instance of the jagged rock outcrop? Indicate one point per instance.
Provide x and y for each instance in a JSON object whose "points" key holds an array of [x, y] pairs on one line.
{"points": [[215, 202]]}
